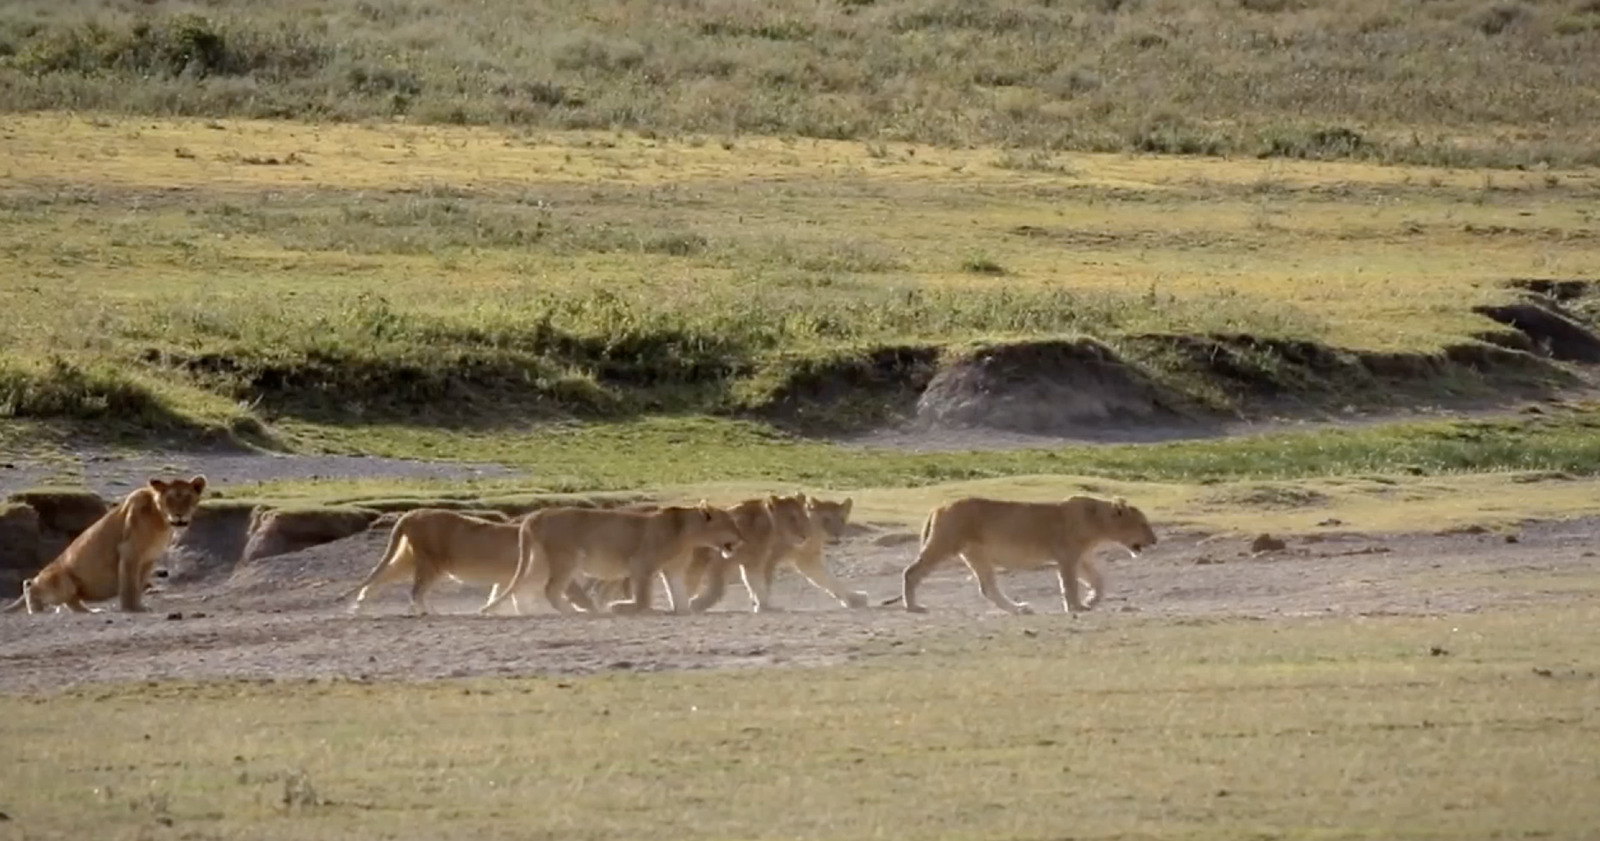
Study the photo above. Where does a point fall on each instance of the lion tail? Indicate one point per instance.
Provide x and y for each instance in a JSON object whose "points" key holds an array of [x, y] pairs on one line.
{"points": [[22, 600], [524, 562], [396, 534]]}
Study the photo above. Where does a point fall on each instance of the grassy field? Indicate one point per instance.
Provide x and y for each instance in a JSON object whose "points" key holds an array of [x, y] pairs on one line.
{"points": [[678, 248], [1452, 82], [280, 282], [1476, 726]]}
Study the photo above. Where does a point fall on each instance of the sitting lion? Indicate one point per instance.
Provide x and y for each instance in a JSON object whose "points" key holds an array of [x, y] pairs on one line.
{"points": [[613, 544], [990, 534], [793, 529], [116, 556], [433, 543]]}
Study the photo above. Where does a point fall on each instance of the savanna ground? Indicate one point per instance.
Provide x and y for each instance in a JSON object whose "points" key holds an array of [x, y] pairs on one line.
{"points": [[363, 256]]}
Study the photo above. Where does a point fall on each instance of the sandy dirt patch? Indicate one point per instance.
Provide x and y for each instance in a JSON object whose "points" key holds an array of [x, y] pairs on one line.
{"points": [[282, 617]]}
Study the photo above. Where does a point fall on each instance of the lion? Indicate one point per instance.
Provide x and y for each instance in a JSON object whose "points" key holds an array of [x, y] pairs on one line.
{"points": [[991, 534], [795, 531], [115, 557], [434, 543], [615, 544]]}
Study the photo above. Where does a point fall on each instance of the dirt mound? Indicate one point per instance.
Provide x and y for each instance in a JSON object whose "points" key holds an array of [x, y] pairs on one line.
{"points": [[1041, 388], [277, 532], [1556, 290], [212, 544], [857, 389], [59, 516], [1548, 332], [339, 564], [19, 546]]}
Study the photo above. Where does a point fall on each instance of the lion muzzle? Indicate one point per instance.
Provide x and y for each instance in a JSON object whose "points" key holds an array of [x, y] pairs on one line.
{"points": [[178, 522]]}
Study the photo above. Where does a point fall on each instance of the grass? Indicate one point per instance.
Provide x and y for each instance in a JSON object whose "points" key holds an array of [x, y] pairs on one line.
{"points": [[1291, 729], [171, 281], [1455, 83], [605, 456]]}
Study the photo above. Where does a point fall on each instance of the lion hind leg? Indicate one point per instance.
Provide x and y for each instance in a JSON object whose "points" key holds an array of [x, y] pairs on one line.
{"points": [[422, 580], [558, 583], [396, 558], [928, 559], [990, 586]]}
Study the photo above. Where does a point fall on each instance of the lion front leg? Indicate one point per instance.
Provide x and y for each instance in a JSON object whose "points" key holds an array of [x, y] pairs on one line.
{"points": [[677, 592], [1089, 572], [814, 567], [642, 580], [130, 589], [757, 578], [1067, 573]]}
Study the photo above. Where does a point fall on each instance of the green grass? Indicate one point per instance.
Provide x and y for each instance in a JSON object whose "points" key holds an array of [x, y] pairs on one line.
{"points": [[1291, 729], [168, 285], [605, 456], [1453, 83]]}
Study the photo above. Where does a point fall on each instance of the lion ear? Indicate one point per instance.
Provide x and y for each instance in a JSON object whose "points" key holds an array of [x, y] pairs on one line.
{"points": [[159, 486], [1119, 505], [199, 482]]}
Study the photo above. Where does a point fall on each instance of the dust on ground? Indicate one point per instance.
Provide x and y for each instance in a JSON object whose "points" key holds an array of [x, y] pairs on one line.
{"points": [[285, 617]]}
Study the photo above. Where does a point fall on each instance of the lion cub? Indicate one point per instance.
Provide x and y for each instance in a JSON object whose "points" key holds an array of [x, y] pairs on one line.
{"points": [[434, 543], [990, 534], [617, 543], [116, 555]]}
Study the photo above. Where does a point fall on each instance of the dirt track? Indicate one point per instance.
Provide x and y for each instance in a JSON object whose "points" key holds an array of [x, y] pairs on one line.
{"points": [[281, 617]]}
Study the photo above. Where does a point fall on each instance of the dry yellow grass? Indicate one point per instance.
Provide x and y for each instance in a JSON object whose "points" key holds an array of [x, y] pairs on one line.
{"points": [[1288, 729], [1349, 253]]}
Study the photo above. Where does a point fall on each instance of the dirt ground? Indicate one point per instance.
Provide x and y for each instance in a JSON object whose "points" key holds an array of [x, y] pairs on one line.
{"points": [[283, 617]]}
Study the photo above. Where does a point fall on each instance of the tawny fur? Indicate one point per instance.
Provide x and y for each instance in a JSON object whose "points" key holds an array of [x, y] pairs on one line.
{"points": [[795, 530], [610, 544], [115, 557], [433, 543], [990, 535]]}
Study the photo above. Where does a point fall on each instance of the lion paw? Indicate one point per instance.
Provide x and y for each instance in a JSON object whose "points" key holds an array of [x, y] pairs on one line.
{"points": [[1022, 609], [857, 600], [915, 608]]}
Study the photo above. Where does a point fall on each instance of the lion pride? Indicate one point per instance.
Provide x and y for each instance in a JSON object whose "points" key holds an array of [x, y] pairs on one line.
{"points": [[991, 534], [617, 543], [778, 530], [435, 543]]}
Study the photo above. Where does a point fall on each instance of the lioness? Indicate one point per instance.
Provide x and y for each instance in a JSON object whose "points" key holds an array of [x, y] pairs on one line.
{"points": [[770, 525], [617, 543], [431, 543], [800, 528], [990, 534], [115, 557]]}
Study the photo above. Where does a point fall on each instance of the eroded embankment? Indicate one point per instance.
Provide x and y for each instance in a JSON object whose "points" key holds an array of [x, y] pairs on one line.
{"points": [[1052, 386]]}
